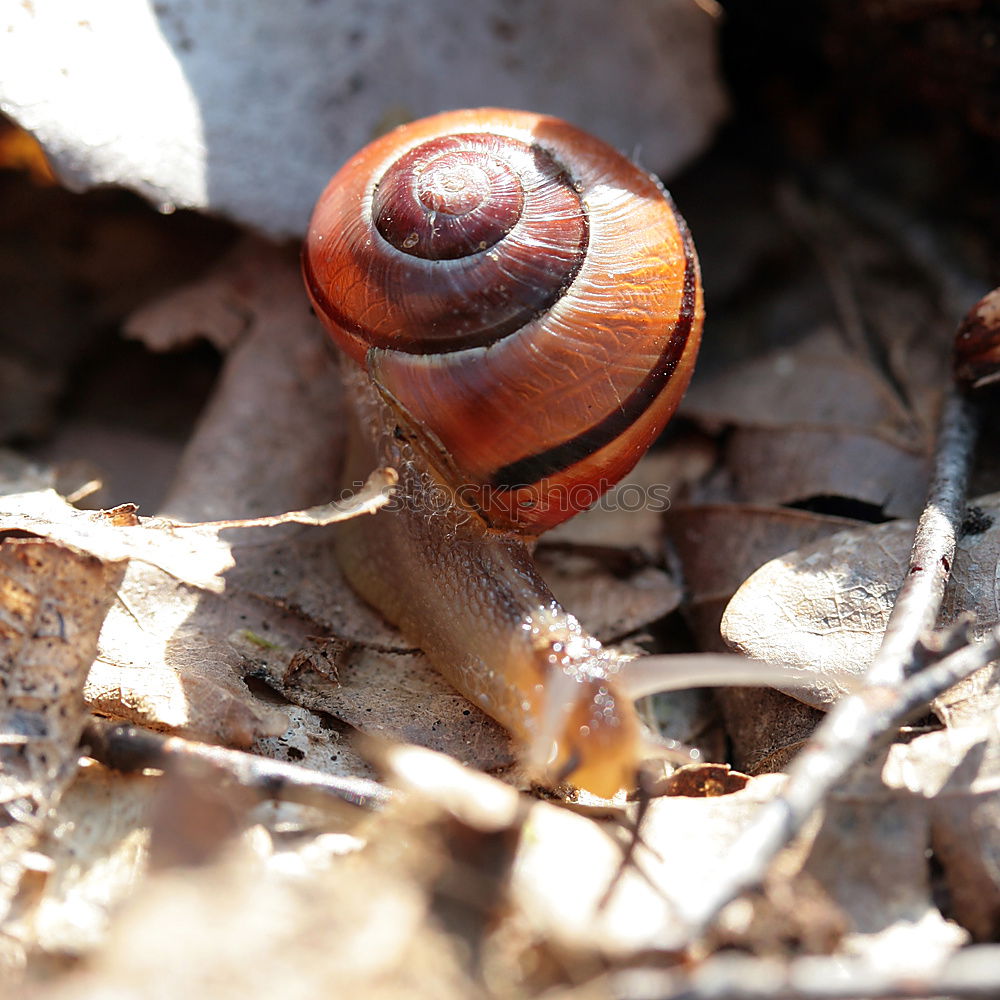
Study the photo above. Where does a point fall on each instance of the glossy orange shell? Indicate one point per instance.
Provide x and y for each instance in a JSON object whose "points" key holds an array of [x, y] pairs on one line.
{"points": [[529, 413]]}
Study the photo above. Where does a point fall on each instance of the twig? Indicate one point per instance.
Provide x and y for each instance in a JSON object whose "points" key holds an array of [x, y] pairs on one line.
{"points": [[885, 698], [919, 599], [970, 972], [126, 748]]}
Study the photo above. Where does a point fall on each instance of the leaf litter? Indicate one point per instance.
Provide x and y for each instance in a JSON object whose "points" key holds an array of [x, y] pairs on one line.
{"points": [[463, 884]]}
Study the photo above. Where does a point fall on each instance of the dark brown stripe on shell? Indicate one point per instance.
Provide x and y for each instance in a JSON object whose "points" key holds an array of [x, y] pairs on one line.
{"points": [[534, 468]]}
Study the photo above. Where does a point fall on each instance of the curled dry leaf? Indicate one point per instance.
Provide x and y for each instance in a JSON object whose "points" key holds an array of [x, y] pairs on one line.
{"points": [[826, 604], [705, 780], [196, 556], [172, 564], [53, 600]]}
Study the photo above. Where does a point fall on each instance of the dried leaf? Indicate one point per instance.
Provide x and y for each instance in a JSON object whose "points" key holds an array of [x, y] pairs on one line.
{"points": [[53, 600], [826, 604], [793, 464], [567, 863], [308, 918], [957, 771], [817, 381], [610, 601], [96, 849], [705, 780], [721, 544], [197, 556], [397, 696], [766, 728], [630, 515], [185, 137]]}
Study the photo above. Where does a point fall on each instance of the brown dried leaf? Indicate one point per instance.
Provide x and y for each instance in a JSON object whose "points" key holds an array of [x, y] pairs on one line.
{"points": [[705, 781], [819, 380], [793, 464], [766, 728], [218, 308]]}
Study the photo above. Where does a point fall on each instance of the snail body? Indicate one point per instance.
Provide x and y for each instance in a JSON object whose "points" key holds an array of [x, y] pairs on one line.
{"points": [[523, 307]]}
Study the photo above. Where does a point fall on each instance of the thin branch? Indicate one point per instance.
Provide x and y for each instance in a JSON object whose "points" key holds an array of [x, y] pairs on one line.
{"points": [[885, 699], [919, 599], [126, 748], [968, 973]]}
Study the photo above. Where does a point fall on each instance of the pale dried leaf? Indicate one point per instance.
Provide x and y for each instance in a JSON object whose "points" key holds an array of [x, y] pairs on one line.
{"points": [[826, 604], [195, 555], [173, 658], [180, 101], [53, 600], [97, 847], [398, 696], [566, 862], [312, 741], [957, 771], [261, 921]]}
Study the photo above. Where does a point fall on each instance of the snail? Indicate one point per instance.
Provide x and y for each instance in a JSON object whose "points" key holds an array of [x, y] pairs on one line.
{"points": [[520, 307]]}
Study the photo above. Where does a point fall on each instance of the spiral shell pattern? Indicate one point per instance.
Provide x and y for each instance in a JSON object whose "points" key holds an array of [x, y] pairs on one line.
{"points": [[527, 299]]}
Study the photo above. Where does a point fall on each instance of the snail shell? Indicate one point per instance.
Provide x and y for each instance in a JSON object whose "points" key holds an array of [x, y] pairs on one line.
{"points": [[526, 299]]}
